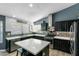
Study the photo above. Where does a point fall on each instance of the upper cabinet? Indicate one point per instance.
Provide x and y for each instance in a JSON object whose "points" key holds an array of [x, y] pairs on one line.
{"points": [[63, 26]]}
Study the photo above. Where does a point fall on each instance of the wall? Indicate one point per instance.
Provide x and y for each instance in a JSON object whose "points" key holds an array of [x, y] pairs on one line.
{"points": [[10, 24], [41, 21], [50, 20], [37, 24], [13, 26], [71, 13], [37, 28], [16, 27], [26, 28]]}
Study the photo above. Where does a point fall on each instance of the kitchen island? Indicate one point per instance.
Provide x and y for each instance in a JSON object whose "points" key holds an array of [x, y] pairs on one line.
{"points": [[34, 46]]}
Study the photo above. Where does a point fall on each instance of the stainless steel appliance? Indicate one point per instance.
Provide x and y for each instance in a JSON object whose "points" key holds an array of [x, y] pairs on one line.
{"points": [[73, 33]]}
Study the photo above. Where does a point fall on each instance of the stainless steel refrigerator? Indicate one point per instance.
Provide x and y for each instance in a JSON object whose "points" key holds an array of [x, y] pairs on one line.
{"points": [[74, 38]]}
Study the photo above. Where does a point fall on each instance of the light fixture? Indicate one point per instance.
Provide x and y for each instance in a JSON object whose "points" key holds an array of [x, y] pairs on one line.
{"points": [[31, 5], [14, 16]]}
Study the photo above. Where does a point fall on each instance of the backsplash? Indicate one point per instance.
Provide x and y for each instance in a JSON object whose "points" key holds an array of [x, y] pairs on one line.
{"points": [[64, 34]]}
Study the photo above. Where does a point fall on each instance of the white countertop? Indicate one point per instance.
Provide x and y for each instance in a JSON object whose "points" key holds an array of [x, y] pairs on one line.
{"points": [[39, 35], [17, 37], [63, 38], [56, 37], [32, 45], [27, 35]]}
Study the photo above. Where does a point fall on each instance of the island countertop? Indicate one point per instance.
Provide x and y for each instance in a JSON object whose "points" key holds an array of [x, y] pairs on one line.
{"points": [[34, 46]]}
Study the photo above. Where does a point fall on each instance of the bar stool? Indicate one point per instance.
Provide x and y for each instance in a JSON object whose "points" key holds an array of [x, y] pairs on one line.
{"points": [[19, 50]]}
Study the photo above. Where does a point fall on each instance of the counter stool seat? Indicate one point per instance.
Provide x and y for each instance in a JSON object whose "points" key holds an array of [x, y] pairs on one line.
{"points": [[19, 50]]}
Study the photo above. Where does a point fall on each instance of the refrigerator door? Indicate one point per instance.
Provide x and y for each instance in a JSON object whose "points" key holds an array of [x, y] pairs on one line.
{"points": [[72, 38]]}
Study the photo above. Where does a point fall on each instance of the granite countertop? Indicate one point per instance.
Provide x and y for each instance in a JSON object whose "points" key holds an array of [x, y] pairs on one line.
{"points": [[57, 37], [42, 35], [17, 37], [63, 38], [11, 38], [34, 46]]}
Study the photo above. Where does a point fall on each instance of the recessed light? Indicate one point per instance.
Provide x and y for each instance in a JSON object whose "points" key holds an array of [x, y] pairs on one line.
{"points": [[31, 5], [14, 16]]}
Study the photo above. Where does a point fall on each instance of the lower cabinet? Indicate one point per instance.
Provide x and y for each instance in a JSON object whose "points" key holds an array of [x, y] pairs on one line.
{"points": [[38, 37], [63, 45], [11, 46]]}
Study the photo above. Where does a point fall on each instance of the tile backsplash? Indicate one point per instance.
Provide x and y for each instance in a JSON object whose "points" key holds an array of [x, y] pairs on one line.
{"points": [[64, 34]]}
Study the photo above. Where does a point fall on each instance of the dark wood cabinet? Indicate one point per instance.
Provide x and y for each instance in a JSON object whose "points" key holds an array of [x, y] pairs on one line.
{"points": [[11, 46], [38, 37], [63, 45], [63, 26]]}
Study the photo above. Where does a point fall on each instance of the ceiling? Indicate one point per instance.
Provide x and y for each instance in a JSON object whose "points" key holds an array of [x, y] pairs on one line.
{"points": [[38, 11]]}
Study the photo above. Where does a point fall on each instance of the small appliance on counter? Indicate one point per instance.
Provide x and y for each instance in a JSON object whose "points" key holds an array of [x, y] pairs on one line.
{"points": [[8, 33], [50, 36], [51, 32]]}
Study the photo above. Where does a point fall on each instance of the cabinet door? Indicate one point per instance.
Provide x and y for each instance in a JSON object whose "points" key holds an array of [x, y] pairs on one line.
{"points": [[12, 45], [63, 45]]}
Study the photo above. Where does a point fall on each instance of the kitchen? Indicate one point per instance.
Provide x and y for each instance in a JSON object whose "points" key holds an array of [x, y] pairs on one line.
{"points": [[52, 32]]}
